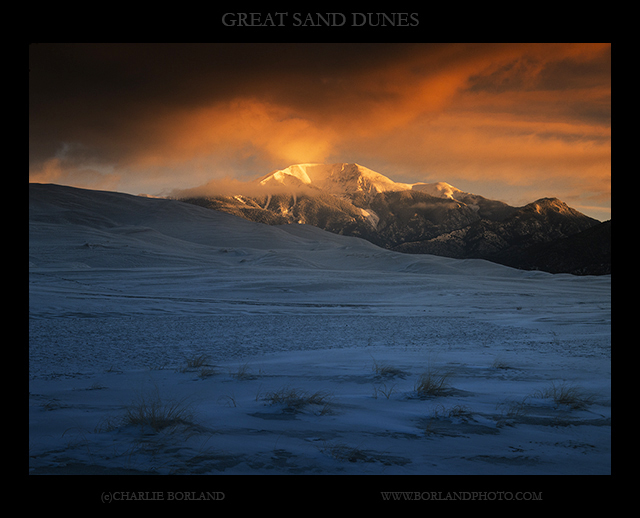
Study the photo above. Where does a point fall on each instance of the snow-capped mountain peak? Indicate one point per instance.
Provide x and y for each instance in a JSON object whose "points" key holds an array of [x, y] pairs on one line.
{"points": [[291, 175], [349, 178]]}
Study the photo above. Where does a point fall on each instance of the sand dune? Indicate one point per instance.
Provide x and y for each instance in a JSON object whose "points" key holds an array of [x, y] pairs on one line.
{"points": [[126, 293]]}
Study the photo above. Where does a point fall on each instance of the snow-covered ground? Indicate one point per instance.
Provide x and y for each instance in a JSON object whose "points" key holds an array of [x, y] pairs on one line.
{"points": [[289, 350]]}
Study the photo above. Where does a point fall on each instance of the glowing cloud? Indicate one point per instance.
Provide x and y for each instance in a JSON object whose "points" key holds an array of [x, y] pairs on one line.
{"points": [[158, 117]]}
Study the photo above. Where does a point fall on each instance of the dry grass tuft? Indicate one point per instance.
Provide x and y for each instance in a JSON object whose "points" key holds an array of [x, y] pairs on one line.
{"points": [[342, 452], [296, 399], [152, 412], [432, 383], [382, 389], [456, 411], [385, 370], [244, 373], [566, 394]]}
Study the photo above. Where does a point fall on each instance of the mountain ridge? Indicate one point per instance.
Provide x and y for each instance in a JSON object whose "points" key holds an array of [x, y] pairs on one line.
{"points": [[434, 218], [348, 178]]}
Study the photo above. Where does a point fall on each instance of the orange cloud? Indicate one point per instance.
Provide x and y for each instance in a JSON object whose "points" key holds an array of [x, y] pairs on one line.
{"points": [[505, 113], [225, 128]]}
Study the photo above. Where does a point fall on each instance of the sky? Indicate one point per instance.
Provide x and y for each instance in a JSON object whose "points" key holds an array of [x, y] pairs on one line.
{"points": [[508, 121]]}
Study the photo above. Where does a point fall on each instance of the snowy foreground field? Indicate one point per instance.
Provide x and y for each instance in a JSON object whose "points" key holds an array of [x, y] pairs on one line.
{"points": [[165, 338]]}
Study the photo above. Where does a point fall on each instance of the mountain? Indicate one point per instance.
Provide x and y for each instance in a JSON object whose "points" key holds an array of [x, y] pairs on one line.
{"points": [[359, 183], [585, 253], [353, 200], [417, 218], [526, 239]]}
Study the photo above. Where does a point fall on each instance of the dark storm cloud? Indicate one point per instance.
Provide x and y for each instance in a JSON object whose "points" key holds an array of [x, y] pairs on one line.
{"points": [[107, 100]]}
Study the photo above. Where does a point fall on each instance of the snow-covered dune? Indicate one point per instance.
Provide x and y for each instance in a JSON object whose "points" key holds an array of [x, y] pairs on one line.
{"points": [[138, 301], [108, 229], [65, 216]]}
